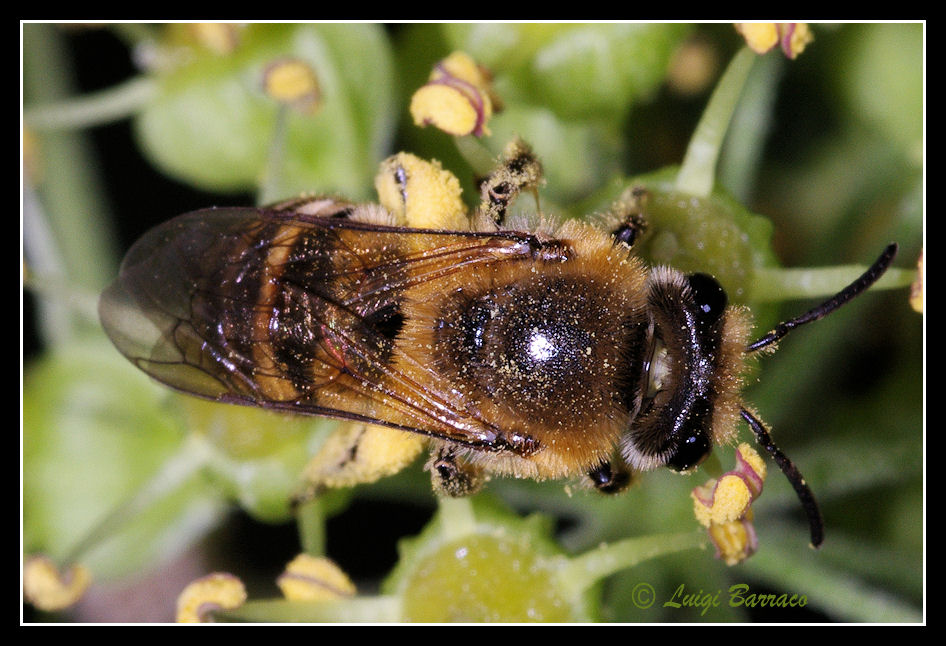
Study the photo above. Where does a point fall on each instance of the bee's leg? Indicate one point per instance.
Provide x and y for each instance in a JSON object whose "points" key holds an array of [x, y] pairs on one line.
{"points": [[358, 453], [610, 477], [451, 475], [520, 170], [627, 216]]}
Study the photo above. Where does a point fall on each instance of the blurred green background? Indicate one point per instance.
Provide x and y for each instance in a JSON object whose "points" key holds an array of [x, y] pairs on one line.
{"points": [[828, 148]]}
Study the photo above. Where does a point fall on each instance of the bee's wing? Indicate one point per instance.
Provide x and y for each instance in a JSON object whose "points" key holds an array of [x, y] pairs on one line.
{"points": [[294, 312], [151, 311]]}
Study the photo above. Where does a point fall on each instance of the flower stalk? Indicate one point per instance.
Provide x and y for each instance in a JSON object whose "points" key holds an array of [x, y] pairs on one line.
{"points": [[583, 571], [95, 109], [697, 174]]}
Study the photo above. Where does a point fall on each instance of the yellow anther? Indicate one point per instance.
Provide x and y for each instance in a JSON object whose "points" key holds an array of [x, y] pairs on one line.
{"points": [[218, 37], [457, 99], [310, 578], [730, 501], [735, 541], [217, 591], [723, 506], [763, 36], [359, 453], [421, 194], [916, 289], [294, 82], [760, 36], [48, 589]]}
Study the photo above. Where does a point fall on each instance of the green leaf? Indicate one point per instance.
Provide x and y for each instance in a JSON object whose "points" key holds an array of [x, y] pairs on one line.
{"points": [[594, 71], [211, 124], [882, 82], [256, 455], [95, 433]]}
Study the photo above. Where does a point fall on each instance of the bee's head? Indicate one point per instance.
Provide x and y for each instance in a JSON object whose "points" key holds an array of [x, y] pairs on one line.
{"points": [[689, 397], [690, 372]]}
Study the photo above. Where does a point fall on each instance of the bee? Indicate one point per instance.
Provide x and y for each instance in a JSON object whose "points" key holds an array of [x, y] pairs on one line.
{"points": [[534, 354]]}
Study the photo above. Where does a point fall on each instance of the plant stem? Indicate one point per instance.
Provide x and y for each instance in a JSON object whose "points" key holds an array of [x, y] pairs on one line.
{"points": [[66, 225], [697, 173], [359, 609], [749, 130], [270, 189], [772, 285], [94, 109], [192, 455], [456, 517], [310, 517], [476, 154], [56, 288], [584, 570]]}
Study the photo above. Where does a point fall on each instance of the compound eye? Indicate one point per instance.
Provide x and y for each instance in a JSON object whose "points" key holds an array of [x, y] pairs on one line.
{"points": [[690, 453], [708, 297]]}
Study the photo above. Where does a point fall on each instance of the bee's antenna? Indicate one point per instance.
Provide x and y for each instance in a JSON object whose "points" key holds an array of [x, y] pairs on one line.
{"points": [[808, 502], [868, 278]]}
